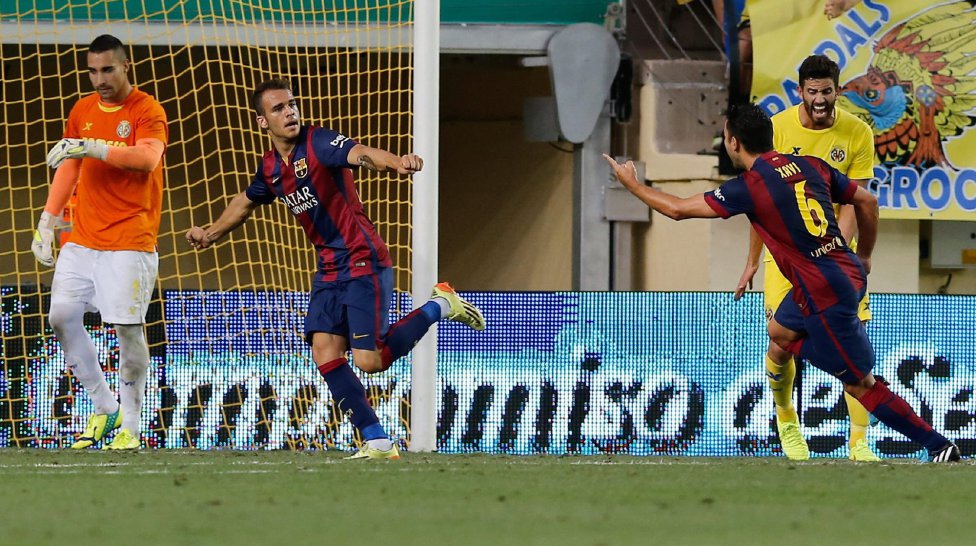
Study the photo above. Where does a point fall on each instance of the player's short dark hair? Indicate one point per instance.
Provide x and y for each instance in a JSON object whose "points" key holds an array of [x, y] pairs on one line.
{"points": [[818, 67], [107, 42], [750, 125], [275, 83]]}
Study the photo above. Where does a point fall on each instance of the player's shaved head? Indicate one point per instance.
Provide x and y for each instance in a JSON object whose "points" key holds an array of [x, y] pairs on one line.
{"points": [[258, 94], [819, 67], [750, 125], [107, 42]]}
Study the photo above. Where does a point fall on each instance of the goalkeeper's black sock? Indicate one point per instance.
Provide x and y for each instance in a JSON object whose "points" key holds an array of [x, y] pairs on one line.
{"points": [[350, 396]]}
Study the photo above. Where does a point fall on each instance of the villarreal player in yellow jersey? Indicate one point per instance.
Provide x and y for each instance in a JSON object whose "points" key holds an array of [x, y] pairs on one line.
{"points": [[817, 128]]}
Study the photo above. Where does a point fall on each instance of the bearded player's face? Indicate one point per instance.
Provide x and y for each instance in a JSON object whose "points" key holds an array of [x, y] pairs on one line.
{"points": [[109, 74], [819, 96], [280, 117]]}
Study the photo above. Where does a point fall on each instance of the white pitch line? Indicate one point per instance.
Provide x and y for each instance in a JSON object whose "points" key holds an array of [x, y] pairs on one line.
{"points": [[45, 472]]}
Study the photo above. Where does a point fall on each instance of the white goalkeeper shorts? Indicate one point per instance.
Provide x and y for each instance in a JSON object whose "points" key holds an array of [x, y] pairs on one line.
{"points": [[116, 283]]}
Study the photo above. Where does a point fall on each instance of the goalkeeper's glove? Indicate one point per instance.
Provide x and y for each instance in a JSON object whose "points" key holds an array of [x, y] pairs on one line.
{"points": [[75, 148], [43, 244]]}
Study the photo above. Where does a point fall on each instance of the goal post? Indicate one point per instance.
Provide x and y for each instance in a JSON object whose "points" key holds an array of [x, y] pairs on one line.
{"points": [[423, 415]]}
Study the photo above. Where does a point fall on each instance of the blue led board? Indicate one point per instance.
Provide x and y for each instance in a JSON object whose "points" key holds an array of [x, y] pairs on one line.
{"points": [[563, 372]]}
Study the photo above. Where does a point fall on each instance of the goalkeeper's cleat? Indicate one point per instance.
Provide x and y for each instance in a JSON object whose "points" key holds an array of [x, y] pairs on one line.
{"points": [[462, 310], [792, 441], [98, 426], [861, 452], [367, 452], [123, 441], [948, 454]]}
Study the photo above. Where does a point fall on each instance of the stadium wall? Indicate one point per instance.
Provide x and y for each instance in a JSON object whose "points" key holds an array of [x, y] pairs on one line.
{"points": [[667, 373]]}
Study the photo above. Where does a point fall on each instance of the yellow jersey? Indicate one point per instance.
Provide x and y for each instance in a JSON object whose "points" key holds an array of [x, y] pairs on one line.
{"points": [[847, 145]]}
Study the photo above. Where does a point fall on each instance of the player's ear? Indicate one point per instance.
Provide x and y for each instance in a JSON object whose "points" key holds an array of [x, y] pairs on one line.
{"points": [[734, 144], [262, 122]]}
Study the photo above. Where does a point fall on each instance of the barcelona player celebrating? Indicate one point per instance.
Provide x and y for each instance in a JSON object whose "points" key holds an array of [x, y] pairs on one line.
{"points": [[308, 168], [788, 199], [818, 128]]}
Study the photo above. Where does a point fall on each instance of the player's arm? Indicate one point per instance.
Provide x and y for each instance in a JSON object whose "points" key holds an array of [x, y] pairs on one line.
{"points": [[62, 186], [380, 160], [845, 217], [237, 211], [836, 8], [752, 264], [860, 172], [865, 206], [676, 208], [144, 156]]}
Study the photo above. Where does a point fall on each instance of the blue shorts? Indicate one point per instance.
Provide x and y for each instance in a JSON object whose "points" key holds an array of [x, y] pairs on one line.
{"points": [[834, 340], [357, 309]]}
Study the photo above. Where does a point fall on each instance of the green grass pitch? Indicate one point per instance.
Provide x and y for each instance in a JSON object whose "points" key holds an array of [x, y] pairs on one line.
{"points": [[221, 497]]}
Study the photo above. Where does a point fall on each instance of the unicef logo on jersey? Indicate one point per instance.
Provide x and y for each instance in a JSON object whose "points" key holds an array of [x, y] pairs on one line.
{"points": [[124, 129], [301, 168], [837, 154]]}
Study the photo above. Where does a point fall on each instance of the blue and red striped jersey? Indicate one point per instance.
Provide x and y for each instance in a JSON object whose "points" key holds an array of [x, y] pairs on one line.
{"points": [[789, 200], [316, 184]]}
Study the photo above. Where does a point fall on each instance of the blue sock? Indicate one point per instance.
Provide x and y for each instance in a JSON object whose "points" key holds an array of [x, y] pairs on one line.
{"points": [[895, 412], [406, 332], [431, 310], [350, 396]]}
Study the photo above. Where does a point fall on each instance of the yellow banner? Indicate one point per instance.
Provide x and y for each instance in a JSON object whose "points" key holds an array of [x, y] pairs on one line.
{"points": [[908, 68]]}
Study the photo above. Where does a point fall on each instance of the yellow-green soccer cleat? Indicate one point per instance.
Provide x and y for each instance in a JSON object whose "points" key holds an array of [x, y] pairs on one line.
{"points": [[367, 452], [99, 424], [861, 452], [462, 310], [123, 441], [791, 439]]}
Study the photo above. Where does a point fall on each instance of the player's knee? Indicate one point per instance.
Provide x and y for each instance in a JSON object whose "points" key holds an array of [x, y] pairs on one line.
{"points": [[130, 333], [61, 317], [859, 388], [133, 349], [368, 361], [778, 354]]}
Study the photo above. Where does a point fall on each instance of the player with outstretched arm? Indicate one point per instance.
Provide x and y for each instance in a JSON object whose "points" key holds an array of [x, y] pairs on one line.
{"points": [[788, 199], [309, 169], [815, 127]]}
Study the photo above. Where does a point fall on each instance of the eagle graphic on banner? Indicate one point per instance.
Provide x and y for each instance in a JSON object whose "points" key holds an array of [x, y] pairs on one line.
{"points": [[919, 88]]}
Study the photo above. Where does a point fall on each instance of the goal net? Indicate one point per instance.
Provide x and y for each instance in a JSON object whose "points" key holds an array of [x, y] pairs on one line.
{"points": [[229, 366]]}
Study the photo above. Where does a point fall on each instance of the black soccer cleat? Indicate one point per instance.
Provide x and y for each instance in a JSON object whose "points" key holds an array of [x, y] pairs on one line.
{"points": [[948, 454]]}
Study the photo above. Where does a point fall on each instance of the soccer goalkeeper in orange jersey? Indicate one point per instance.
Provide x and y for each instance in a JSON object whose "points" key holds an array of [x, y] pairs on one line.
{"points": [[111, 154]]}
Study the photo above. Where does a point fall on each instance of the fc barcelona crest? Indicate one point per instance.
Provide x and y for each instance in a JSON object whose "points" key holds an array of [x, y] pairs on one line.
{"points": [[301, 168], [837, 154]]}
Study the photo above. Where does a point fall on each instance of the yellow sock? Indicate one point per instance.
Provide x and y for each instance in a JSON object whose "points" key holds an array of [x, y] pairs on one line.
{"points": [[781, 383], [860, 419]]}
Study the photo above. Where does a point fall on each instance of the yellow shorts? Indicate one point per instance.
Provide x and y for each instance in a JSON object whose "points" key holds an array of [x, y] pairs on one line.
{"points": [[776, 287]]}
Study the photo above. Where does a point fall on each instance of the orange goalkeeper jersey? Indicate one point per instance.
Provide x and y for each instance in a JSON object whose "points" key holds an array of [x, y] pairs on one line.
{"points": [[117, 209]]}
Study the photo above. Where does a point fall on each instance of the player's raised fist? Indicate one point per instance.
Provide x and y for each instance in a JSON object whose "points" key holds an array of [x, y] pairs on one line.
{"points": [[198, 238], [410, 164], [75, 148]]}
